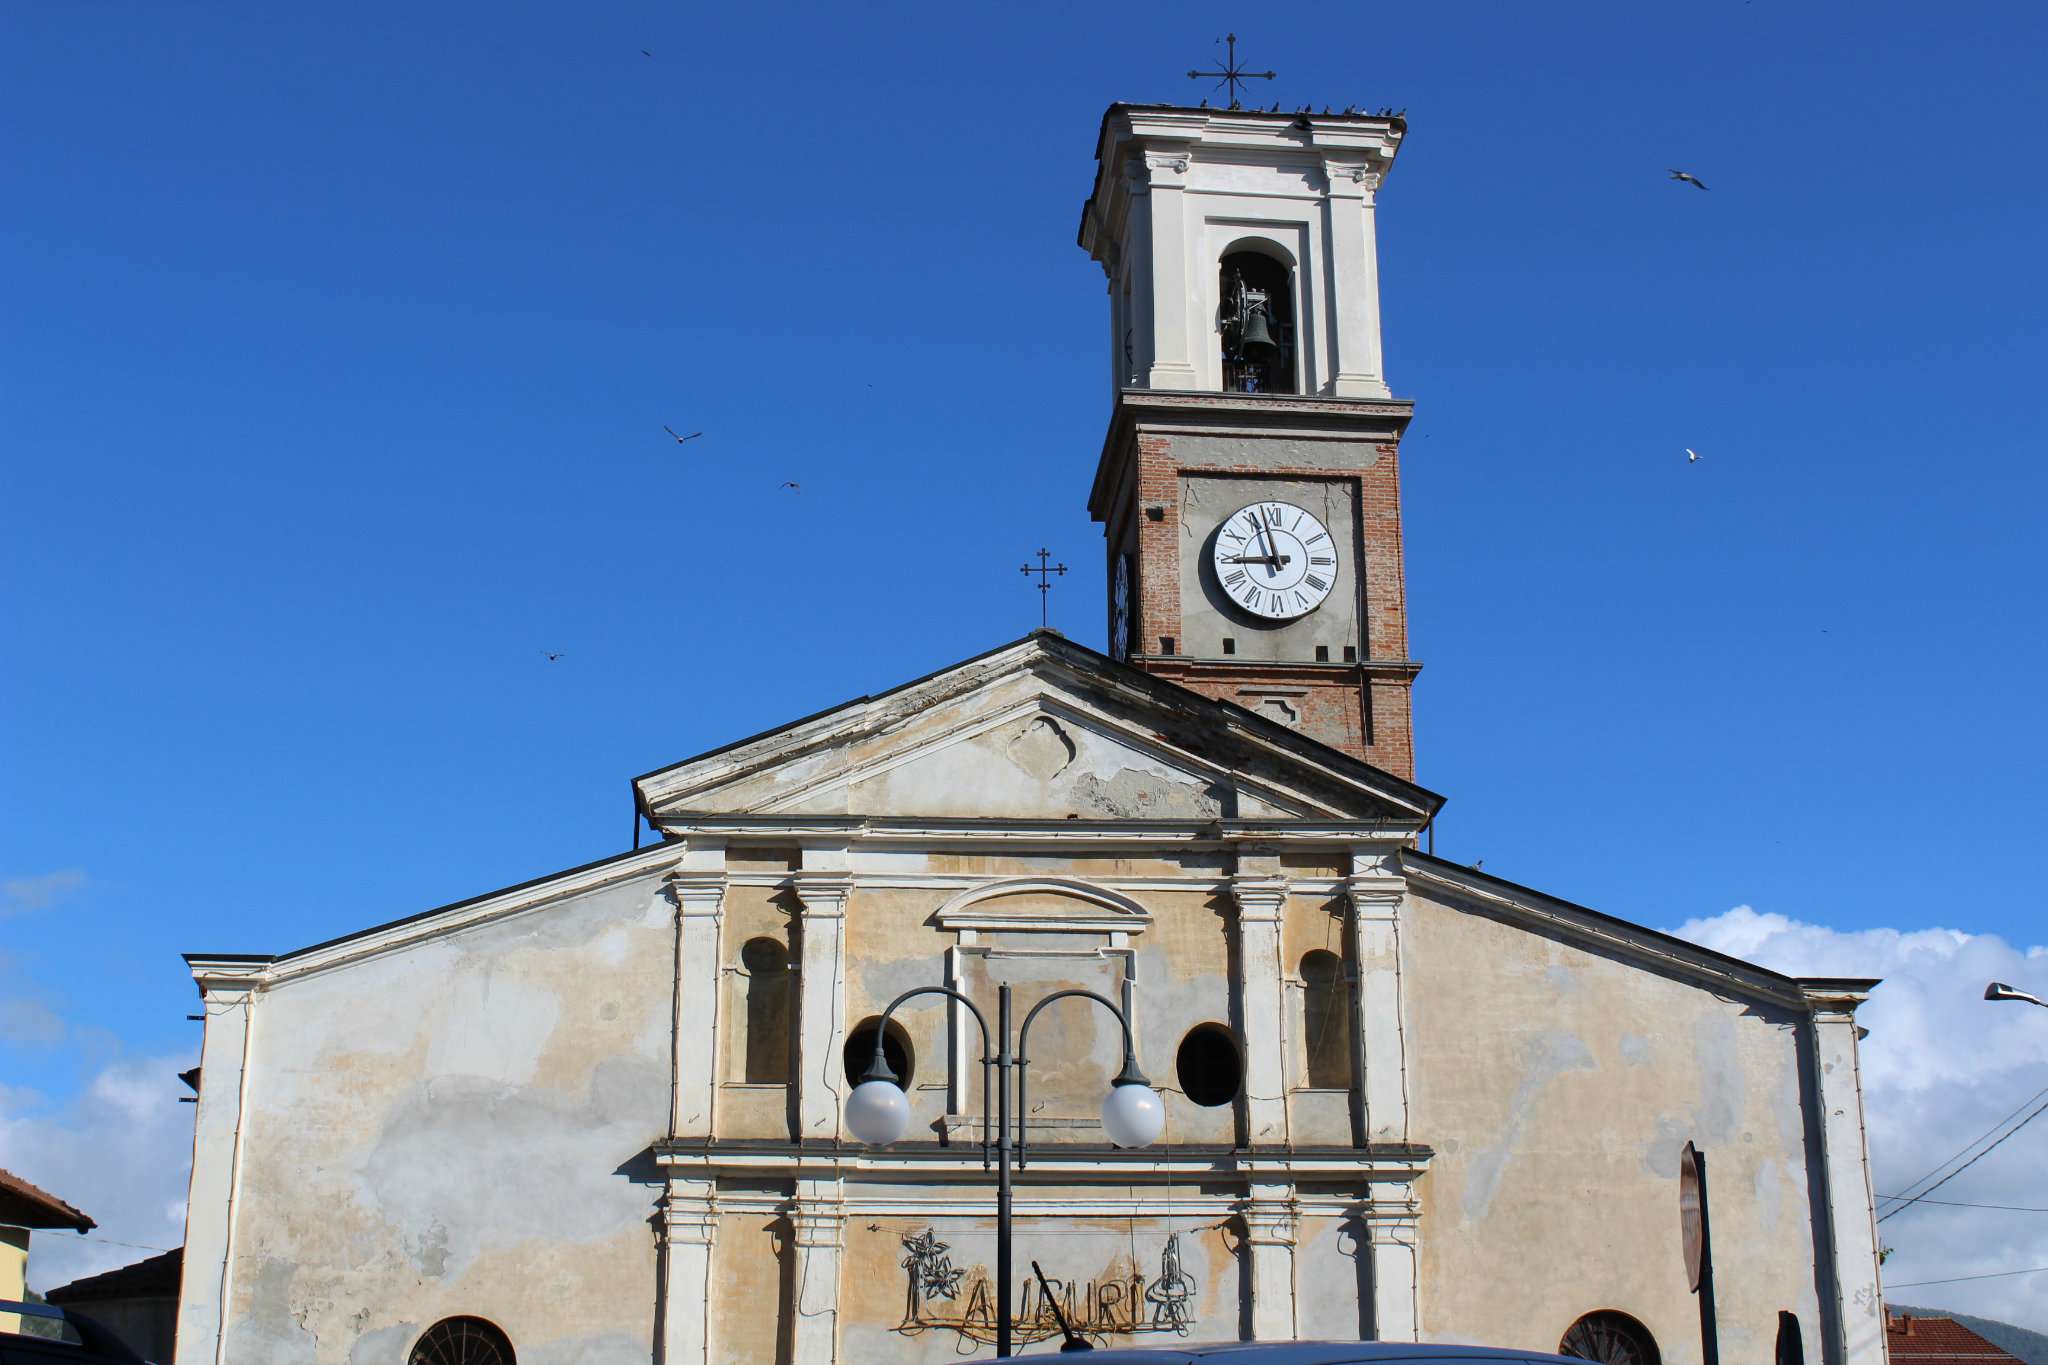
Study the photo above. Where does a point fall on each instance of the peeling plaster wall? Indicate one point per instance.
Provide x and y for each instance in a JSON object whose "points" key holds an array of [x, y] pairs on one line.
{"points": [[460, 1128], [1180, 964], [1558, 1087]]}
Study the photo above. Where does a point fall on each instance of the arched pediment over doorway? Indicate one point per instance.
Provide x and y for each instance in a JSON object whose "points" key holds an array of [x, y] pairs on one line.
{"points": [[1044, 904]]}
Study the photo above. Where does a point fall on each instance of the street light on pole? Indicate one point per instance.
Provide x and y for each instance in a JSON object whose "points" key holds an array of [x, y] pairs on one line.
{"points": [[878, 1112], [1998, 990]]}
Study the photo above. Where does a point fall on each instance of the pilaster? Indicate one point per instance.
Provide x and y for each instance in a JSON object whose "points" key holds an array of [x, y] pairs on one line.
{"points": [[817, 1228], [216, 1168], [821, 994], [1356, 369], [689, 1227], [1261, 1003], [1391, 1220], [1851, 1204], [697, 886], [1380, 1042], [1269, 1234], [1166, 170]]}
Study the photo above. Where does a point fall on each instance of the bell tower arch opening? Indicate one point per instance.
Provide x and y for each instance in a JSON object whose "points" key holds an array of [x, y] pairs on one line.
{"points": [[1255, 325]]}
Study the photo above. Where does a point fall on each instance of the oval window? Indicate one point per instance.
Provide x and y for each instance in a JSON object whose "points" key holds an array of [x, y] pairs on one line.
{"points": [[896, 1051], [1210, 1069]]}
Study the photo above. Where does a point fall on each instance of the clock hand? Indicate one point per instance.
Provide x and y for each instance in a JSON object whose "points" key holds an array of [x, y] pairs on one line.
{"points": [[1273, 559]]}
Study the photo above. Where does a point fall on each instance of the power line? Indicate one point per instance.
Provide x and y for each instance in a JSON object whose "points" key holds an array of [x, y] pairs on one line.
{"points": [[1901, 1208], [1958, 1279], [1952, 1204], [1971, 1143]]}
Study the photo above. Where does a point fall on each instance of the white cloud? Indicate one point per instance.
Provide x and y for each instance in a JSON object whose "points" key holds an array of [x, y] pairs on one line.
{"points": [[21, 894], [121, 1151], [1941, 1066], [25, 1023]]}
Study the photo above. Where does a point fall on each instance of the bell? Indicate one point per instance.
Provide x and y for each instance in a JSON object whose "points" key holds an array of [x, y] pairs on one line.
{"points": [[1257, 345]]}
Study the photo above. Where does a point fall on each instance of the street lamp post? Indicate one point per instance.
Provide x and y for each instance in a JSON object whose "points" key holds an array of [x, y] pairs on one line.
{"points": [[878, 1112], [1998, 990]]}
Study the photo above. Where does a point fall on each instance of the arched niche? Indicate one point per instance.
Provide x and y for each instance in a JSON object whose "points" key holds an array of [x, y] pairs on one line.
{"points": [[1258, 316]]}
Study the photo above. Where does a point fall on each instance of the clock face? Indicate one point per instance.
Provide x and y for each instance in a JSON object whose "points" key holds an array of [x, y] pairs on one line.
{"points": [[1275, 560], [1120, 610]]}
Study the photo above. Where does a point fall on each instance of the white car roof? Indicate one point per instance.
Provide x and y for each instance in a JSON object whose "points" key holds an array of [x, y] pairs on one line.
{"points": [[1307, 1353]]}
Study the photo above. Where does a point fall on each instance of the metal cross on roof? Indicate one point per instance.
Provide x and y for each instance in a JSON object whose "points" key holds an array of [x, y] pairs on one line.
{"points": [[1045, 573], [1232, 74]]}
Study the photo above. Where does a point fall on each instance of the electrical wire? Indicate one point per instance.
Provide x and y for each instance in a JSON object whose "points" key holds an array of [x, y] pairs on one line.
{"points": [[1953, 1204], [1958, 1279], [1901, 1208], [1968, 1145]]}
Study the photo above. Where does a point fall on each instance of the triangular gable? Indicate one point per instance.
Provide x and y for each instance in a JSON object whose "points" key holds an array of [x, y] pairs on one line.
{"points": [[1038, 729]]}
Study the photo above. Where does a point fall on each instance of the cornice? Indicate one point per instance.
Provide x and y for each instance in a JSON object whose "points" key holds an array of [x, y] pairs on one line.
{"points": [[1011, 832], [1293, 417], [240, 971], [1064, 1164]]}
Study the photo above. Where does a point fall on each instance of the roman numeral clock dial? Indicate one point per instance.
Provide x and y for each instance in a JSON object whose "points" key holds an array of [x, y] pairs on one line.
{"points": [[1275, 560]]}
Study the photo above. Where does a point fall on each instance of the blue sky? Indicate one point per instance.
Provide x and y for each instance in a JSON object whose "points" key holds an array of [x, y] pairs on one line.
{"points": [[338, 343]]}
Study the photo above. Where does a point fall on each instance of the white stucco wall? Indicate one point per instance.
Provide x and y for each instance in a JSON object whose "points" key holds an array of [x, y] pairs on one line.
{"points": [[458, 1129], [1558, 1087]]}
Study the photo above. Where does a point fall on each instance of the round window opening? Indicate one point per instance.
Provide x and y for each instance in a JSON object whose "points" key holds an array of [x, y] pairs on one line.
{"points": [[461, 1341], [1610, 1338], [897, 1054], [1209, 1067]]}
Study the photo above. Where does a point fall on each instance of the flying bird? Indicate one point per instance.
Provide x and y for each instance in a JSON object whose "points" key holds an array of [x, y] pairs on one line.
{"points": [[553, 654], [786, 483], [1691, 456], [1689, 178], [680, 439], [645, 53]]}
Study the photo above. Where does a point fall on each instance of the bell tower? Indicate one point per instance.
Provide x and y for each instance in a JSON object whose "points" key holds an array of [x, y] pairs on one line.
{"points": [[1249, 486]]}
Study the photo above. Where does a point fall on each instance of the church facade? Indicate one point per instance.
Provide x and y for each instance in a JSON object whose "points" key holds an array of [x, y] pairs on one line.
{"points": [[600, 1117]]}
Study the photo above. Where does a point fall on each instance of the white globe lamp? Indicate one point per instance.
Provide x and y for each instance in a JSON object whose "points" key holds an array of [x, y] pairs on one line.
{"points": [[877, 1112], [1133, 1114]]}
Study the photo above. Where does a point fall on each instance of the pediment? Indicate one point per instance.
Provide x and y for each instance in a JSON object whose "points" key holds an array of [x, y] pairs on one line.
{"points": [[1039, 730], [1042, 904]]}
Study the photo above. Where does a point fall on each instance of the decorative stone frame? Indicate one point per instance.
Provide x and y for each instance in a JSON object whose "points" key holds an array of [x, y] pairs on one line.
{"points": [[977, 911]]}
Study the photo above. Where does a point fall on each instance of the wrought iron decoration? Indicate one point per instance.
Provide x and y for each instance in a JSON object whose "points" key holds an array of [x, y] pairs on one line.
{"points": [[942, 1297]]}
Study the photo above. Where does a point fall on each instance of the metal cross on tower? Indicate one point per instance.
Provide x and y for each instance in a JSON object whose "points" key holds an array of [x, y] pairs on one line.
{"points": [[1232, 74], [1045, 573]]}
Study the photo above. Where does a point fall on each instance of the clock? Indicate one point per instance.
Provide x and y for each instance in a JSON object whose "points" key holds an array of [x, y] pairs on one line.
{"points": [[1275, 560], [1120, 610]]}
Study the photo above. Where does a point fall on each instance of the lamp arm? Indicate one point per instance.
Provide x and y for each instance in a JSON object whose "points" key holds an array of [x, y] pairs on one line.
{"points": [[877, 1070], [1130, 1075]]}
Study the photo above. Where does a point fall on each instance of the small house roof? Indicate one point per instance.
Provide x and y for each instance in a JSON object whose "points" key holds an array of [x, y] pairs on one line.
{"points": [[157, 1277], [25, 1206]]}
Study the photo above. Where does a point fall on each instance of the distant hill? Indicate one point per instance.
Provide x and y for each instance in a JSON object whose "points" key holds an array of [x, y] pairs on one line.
{"points": [[2031, 1347]]}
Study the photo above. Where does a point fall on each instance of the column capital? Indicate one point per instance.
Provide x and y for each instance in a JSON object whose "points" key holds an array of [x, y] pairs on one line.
{"points": [[1259, 898], [1375, 897], [697, 893], [1390, 1212], [817, 1222], [1350, 178], [689, 1214], [1269, 1222], [823, 893]]}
